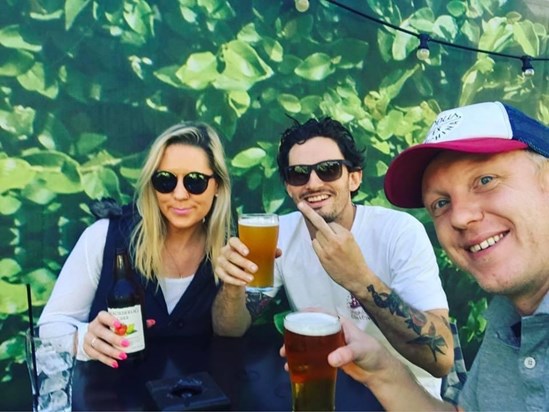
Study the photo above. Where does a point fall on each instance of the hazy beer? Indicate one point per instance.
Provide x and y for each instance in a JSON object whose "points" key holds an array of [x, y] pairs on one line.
{"points": [[309, 337], [259, 232]]}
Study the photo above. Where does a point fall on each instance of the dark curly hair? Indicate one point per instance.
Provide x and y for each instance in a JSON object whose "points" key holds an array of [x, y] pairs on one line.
{"points": [[327, 127]]}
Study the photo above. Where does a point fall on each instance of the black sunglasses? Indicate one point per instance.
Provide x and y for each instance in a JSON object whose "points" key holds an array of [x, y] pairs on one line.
{"points": [[194, 182], [327, 171]]}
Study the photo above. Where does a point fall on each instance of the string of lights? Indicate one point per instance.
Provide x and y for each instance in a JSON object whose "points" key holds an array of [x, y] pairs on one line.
{"points": [[422, 51]]}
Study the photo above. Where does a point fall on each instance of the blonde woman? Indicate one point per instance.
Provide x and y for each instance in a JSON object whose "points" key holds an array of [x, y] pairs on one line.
{"points": [[177, 226]]}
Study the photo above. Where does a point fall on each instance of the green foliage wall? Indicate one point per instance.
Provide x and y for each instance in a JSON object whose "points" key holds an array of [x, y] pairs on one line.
{"points": [[85, 85]]}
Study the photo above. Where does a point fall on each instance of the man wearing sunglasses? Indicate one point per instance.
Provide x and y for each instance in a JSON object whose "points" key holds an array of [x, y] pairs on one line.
{"points": [[370, 264]]}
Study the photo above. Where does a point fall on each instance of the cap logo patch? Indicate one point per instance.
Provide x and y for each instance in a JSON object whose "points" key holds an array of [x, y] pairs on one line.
{"points": [[442, 126]]}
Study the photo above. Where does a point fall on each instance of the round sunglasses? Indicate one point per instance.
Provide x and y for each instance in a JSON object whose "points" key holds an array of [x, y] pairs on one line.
{"points": [[327, 171], [195, 183]]}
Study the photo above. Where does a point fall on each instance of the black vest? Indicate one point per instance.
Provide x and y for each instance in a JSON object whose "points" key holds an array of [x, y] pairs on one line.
{"points": [[192, 315]]}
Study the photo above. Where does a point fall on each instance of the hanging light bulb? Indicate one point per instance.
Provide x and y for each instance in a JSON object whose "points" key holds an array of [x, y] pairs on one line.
{"points": [[527, 68], [302, 5], [422, 52]]}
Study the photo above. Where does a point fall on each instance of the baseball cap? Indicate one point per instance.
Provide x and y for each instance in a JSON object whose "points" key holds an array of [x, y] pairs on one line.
{"points": [[485, 128]]}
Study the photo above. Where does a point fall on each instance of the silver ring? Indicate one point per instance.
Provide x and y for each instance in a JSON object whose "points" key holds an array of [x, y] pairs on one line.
{"points": [[92, 344]]}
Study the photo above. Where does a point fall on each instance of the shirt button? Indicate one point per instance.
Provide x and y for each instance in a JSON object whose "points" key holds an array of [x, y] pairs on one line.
{"points": [[529, 362]]}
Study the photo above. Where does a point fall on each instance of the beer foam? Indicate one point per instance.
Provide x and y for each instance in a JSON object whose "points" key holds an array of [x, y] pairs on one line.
{"points": [[258, 221], [312, 323]]}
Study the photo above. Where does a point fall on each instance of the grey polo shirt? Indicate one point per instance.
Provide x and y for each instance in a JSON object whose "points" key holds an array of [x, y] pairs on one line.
{"points": [[511, 369]]}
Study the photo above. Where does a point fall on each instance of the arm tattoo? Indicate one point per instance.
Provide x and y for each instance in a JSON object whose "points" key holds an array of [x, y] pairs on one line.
{"points": [[256, 303], [415, 319]]}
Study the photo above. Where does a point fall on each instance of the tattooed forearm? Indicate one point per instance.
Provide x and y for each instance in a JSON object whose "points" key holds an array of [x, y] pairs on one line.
{"points": [[415, 320], [256, 303]]}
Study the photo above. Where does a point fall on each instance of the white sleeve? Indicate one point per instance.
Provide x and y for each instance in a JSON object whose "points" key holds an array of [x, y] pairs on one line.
{"points": [[414, 269], [75, 288]]}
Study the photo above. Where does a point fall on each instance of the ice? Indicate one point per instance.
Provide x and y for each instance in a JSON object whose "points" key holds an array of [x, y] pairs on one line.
{"points": [[54, 382], [50, 362], [54, 402]]}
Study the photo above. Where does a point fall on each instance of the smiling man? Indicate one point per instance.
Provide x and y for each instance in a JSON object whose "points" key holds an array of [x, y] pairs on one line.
{"points": [[483, 176], [370, 264]]}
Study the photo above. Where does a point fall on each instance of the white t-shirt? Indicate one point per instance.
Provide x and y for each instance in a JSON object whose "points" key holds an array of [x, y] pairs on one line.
{"points": [[75, 288], [395, 247]]}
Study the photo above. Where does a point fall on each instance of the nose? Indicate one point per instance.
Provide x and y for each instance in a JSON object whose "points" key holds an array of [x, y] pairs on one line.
{"points": [[465, 212], [180, 192], [314, 180]]}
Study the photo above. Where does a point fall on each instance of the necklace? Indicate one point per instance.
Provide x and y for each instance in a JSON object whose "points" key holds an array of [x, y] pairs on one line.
{"points": [[174, 262]]}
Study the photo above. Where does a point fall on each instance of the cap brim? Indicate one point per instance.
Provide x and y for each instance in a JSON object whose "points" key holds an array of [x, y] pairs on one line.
{"points": [[405, 174]]}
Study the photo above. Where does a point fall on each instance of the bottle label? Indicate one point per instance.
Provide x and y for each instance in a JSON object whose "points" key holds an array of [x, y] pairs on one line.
{"points": [[131, 326]]}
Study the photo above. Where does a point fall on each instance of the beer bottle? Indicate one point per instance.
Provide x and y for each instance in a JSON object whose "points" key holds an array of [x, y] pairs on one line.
{"points": [[126, 302]]}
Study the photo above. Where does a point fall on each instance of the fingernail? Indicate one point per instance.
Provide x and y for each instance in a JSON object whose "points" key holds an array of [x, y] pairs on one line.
{"points": [[122, 356], [117, 324], [114, 364], [253, 268], [125, 343]]}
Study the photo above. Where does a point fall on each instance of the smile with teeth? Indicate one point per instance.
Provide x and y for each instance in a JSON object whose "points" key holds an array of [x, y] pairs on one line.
{"points": [[316, 198], [486, 243]]}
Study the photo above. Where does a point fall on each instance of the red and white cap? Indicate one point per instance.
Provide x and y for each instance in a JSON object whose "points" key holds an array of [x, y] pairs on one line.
{"points": [[485, 128]]}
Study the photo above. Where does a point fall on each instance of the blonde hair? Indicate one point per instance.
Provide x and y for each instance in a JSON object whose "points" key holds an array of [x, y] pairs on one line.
{"points": [[148, 236]]}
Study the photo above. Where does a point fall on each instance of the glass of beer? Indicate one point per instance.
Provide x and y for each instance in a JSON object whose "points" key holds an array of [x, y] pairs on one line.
{"points": [[309, 337], [259, 232]]}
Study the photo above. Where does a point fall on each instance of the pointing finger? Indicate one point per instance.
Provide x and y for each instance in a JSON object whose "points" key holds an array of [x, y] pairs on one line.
{"points": [[316, 220]]}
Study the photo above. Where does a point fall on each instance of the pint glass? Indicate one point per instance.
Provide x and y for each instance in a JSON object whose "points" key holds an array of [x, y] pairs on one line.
{"points": [[309, 337], [259, 232]]}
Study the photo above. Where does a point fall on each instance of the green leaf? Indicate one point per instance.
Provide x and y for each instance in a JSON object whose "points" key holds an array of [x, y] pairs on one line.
{"points": [[38, 192], [72, 9], [199, 70], [10, 36], [9, 268], [289, 103], [15, 62], [13, 298], [392, 84], [9, 205], [57, 170], [248, 158], [278, 319], [456, 8], [41, 281], [388, 125], [446, 28], [239, 100], [13, 348], [525, 35], [14, 174], [315, 67], [168, 75], [403, 44], [217, 9], [352, 52], [54, 135], [273, 49], [139, 16], [243, 67], [35, 80], [88, 142], [249, 34], [422, 20], [19, 121], [101, 183], [310, 104], [497, 34]]}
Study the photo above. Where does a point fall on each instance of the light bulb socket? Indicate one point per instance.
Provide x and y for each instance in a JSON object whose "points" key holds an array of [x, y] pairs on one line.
{"points": [[527, 68], [423, 52]]}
